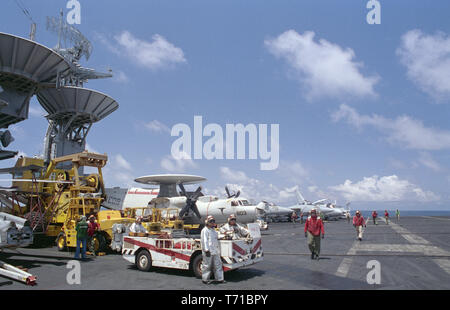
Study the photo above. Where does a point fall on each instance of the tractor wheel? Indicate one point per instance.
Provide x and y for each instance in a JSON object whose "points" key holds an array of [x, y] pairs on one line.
{"points": [[61, 242], [196, 266], [144, 260], [100, 244]]}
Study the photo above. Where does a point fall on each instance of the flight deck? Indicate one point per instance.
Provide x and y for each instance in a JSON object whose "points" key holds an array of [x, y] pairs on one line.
{"points": [[413, 254]]}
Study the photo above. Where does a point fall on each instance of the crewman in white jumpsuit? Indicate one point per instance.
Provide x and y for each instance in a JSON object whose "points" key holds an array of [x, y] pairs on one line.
{"points": [[137, 226], [233, 229], [211, 252]]}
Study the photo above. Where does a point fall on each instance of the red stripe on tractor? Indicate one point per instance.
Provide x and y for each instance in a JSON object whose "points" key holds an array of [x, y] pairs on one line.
{"points": [[142, 193], [256, 247], [162, 251], [238, 249]]}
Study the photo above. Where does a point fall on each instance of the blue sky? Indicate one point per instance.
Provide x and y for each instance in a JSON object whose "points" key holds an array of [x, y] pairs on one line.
{"points": [[363, 109]]}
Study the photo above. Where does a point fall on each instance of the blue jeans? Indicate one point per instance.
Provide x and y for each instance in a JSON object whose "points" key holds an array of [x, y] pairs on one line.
{"points": [[83, 250]]}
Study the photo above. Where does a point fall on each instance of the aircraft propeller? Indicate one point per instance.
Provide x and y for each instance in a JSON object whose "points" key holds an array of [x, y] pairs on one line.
{"points": [[235, 195], [191, 201]]}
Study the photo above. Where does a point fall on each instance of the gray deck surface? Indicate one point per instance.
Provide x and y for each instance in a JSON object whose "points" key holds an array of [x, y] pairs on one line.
{"points": [[413, 254]]}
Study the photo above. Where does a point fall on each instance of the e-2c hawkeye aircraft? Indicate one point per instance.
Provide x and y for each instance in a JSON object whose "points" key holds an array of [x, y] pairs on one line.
{"points": [[194, 206]]}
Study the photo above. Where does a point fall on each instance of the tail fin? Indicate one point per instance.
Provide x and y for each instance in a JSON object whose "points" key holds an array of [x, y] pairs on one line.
{"points": [[300, 198], [347, 205]]}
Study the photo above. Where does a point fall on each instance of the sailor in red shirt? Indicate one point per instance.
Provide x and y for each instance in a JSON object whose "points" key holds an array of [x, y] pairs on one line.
{"points": [[386, 216], [93, 227], [358, 223], [374, 217], [313, 230]]}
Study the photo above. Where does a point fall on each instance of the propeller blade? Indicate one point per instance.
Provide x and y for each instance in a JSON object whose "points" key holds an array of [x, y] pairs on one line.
{"points": [[184, 211], [237, 194], [228, 191], [182, 189], [196, 194], [195, 209]]}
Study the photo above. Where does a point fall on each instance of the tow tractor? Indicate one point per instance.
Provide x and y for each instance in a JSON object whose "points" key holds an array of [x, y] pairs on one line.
{"points": [[169, 249]]}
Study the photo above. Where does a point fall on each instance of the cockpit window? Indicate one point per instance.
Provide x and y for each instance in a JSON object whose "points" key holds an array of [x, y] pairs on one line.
{"points": [[234, 204], [244, 202]]}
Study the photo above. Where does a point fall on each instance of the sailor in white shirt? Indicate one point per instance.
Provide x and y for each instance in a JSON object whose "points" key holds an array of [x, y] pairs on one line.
{"points": [[211, 252], [137, 227], [233, 230]]}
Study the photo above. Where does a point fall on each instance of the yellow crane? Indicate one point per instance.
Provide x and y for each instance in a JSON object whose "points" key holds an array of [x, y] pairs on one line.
{"points": [[55, 198]]}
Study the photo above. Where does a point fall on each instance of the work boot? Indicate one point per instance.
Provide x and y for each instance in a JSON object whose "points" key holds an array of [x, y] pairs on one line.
{"points": [[312, 255], [206, 282], [360, 239]]}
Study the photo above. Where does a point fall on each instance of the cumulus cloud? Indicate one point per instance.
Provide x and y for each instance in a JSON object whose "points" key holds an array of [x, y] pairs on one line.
{"points": [[118, 172], [403, 130], [156, 54], [233, 176], [254, 189], [383, 189], [324, 69], [294, 171], [178, 163], [120, 77], [427, 160], [157, 126], [427, 60], [122, 162]]}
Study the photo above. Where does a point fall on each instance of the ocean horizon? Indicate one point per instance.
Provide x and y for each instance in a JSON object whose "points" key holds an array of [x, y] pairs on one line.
{"points": [[367, 213]]}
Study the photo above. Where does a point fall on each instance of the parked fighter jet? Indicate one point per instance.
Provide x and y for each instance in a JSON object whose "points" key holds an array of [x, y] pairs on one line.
{"points": [[276, 213], [304, 206], [341, 209]]}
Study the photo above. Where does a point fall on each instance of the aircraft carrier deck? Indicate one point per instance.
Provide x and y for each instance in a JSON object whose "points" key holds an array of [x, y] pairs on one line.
{"points": [[413, 255]]}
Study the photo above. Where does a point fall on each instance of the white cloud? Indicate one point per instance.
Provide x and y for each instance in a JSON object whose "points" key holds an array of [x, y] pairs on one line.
{"points": [[294, 171], [427, 60], [178, 163], [157, 54], [233, 176], [120, 77], [118, 172], [157, 126], [312, 189], [324, 69], [398, 164], [384, 189], [428, 161], [403, 130], [254, 189], [122, 162], [288, 193]]}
